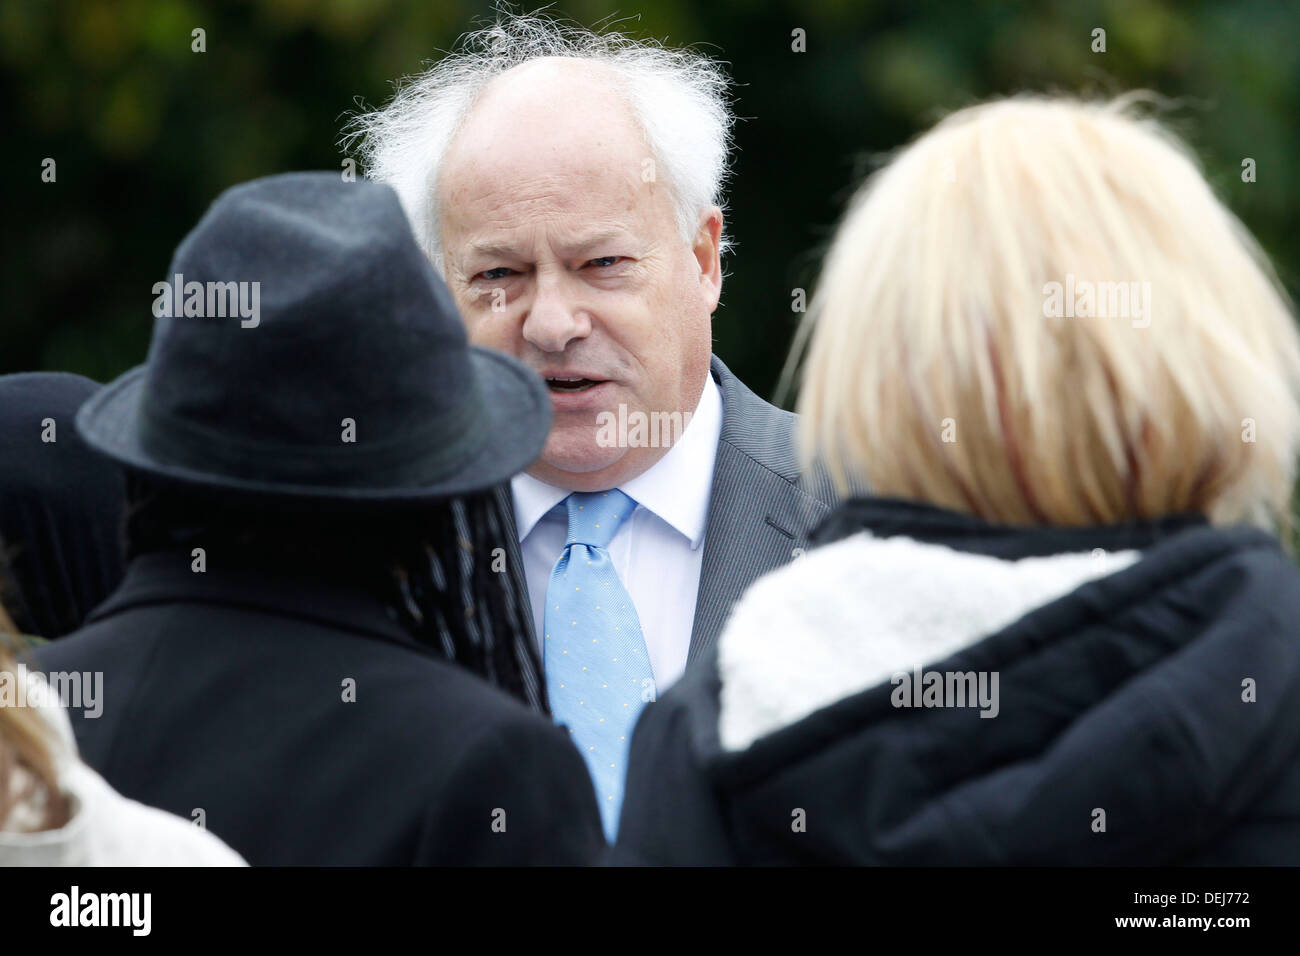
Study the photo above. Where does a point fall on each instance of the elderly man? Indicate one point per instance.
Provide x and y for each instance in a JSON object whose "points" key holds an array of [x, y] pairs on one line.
{"points": [[569, 185]]}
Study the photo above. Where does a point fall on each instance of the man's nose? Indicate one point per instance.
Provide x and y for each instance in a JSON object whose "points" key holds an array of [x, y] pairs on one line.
{"points": [[553, 319]]}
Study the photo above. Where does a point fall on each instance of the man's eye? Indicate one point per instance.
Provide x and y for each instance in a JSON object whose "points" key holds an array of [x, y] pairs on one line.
{"points": [[604, 261], [500, 272]]}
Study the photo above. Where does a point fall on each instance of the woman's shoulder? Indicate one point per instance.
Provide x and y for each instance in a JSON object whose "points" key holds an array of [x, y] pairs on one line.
{"points": [[848, 615], [105, 828], [119, 831]]}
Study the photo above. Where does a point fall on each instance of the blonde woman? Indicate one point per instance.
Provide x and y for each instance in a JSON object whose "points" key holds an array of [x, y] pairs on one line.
{"points": [[1064, 629]]}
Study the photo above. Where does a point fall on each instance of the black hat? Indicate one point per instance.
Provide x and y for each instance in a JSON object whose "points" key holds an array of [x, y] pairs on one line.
{"points": [[306, 348]]}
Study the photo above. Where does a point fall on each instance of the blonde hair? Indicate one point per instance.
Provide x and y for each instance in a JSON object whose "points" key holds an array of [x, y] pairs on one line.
{"points": [[27, 771], [945, 365]]}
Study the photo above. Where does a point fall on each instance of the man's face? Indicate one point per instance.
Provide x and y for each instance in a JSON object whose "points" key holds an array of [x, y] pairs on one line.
{"points": [[561, 248]]}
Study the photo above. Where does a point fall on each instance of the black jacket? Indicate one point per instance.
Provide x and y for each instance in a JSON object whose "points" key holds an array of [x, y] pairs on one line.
{"points": [[223, 692], [1164, 693]]}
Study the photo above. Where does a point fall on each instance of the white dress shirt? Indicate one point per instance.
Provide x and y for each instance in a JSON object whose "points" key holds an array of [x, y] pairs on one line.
{"points": [[657, 552]]}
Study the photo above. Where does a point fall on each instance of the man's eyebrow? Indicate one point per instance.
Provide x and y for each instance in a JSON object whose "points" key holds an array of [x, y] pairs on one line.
{"points": [[597, 238], [489, 249]]}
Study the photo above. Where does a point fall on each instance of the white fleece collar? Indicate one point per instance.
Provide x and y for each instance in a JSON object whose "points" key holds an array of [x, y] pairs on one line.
{"points": [[849, 615]]}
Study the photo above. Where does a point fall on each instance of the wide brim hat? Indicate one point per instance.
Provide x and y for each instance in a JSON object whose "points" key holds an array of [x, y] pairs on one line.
{"points": [[355, 328], [517, 416]]}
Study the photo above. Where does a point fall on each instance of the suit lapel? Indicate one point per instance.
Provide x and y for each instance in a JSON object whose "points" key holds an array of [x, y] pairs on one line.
{"points": [[514, 556], [759, 515], [753, 528]]}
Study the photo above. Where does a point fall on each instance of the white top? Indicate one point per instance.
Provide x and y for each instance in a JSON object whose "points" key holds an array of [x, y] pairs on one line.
{"points": [[106, 828], [657, 552]]}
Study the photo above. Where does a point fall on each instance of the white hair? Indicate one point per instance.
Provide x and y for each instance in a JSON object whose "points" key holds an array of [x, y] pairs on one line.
{"points": [[677, 96]]}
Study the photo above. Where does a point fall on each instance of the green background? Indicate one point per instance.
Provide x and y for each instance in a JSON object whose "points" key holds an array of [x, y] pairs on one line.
{"points": [[145, 132]]}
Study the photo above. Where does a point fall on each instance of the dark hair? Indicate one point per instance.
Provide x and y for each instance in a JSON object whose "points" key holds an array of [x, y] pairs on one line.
{"points": [[436, 567]]}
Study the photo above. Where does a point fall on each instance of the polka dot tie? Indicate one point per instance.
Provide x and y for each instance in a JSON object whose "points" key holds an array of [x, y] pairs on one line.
{"points": [[598, 673]]}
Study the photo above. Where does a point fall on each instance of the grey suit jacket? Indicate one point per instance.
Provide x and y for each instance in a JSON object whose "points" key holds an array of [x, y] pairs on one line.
{"points": [[759, 510]]}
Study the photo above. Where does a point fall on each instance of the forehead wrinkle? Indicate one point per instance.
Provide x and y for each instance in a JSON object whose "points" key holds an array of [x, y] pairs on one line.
{"points": [[491, 195], [562, 238], [579, 210]]}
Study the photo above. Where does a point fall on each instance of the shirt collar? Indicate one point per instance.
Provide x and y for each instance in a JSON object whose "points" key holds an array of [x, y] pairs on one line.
{"points": [[676, 488], [533, 499]]}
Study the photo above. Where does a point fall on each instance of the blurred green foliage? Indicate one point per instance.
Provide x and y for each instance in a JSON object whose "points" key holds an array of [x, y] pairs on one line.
{"points": [[146, 132]]}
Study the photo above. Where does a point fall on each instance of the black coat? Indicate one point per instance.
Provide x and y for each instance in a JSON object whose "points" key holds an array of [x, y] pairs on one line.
{"points": [[224, 692], [60, 506], [1127, 694]]}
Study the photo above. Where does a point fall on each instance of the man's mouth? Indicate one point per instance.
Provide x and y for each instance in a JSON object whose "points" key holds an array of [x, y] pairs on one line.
{"points": [[571, 384]]}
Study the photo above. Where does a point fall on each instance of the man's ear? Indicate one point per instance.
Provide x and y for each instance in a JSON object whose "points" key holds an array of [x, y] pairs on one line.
{"points": [[707, 250]]}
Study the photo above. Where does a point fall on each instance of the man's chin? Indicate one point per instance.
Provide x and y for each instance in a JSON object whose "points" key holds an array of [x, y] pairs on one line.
{"points": [[592, 469], [579, 463], [579, 449]]}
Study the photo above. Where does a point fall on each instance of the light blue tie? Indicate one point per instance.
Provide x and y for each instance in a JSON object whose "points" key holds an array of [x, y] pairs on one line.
{"points": [[598, 673]]}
